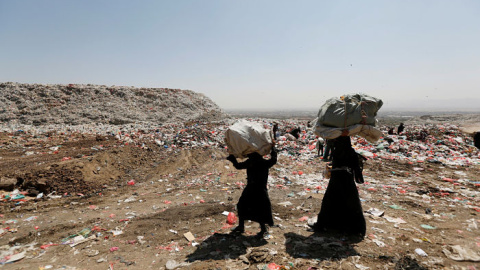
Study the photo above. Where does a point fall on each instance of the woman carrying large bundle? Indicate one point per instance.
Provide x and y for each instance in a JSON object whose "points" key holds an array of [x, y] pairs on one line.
{"points": [[254, 203], [251, 140], [338, 119]]}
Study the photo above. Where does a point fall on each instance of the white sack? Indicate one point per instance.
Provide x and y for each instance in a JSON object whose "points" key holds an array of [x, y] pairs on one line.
{"points": [[368, 132], [246, 137]]}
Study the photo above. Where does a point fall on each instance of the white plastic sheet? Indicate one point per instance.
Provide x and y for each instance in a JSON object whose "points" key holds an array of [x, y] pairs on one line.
{"points": [[459, 253]]}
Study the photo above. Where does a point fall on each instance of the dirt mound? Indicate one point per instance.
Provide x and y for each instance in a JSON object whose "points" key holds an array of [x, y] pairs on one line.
{"points": [[76, 104]]}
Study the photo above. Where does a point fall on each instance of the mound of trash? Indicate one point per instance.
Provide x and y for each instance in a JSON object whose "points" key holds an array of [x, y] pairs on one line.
{"points": [[77, 104]]}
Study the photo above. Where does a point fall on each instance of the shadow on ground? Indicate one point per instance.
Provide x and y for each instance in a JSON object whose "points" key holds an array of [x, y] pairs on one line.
{"points": [[224, 246], [320, 246]]}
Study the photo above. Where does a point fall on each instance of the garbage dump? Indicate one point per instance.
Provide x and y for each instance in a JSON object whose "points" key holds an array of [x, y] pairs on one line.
{"points": [[426, 192], [142, 195], [78, 104]]}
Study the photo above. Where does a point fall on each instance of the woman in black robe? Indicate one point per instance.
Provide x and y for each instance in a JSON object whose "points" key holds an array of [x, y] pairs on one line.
{"points": [[476, 139], [341, 210], [254, 203], [400, 128]]}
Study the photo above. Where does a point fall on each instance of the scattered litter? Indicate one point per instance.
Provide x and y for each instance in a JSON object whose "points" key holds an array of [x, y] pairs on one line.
{"points": [[396, 207], [445, 146], [375, 212], [130, 199], [140, 239], [379, 243], [189, 236], [231, 218], [171, 264], [420, 252], [394, 220], [80, 239], [92, 252], [311, 221], [304, 218], [116, 232], [16, 257], [361, 267], [459, 253], [287, 203], [31, 218], [428, 227]]}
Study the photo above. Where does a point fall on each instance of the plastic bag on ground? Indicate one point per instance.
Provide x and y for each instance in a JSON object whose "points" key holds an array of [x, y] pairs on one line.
{"points": [[231, 218], [459, 253], [245, 137]]}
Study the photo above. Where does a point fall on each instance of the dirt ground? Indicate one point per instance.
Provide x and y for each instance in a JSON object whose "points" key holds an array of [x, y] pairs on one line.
{"points": [[134, 205]]}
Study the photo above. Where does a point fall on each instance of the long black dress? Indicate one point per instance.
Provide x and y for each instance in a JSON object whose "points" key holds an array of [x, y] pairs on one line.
{"points": [[254, 203], [341, 210]]}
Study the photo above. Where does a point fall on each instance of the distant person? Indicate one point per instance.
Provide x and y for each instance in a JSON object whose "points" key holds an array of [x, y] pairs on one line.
{"points": [[423, 135], [254, 203], [319, 146], [391, 132], [276, 133], [295, 133], [476, 139], [327, 154], [400, 128]]}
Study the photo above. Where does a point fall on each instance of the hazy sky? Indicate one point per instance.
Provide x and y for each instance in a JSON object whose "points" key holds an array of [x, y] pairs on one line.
{"points": [[252, 53]]}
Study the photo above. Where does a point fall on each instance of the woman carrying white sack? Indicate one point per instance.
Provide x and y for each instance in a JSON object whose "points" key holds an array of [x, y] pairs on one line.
{"points": [[254, 203]]}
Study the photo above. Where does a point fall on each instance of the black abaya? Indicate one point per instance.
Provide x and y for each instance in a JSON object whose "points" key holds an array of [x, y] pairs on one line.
{"points": [[341, 207], [254, 203]]}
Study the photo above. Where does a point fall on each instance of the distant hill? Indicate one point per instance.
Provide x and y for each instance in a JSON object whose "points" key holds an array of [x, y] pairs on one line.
{"points": [[75, 104]]}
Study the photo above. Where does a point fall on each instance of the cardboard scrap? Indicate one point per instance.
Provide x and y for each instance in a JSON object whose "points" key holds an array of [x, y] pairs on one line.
{"points": [[189, 236]]}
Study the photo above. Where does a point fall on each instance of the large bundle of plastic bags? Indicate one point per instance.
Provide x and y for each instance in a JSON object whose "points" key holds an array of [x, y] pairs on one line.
{"points": [[245, 137], [349, 115]]}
